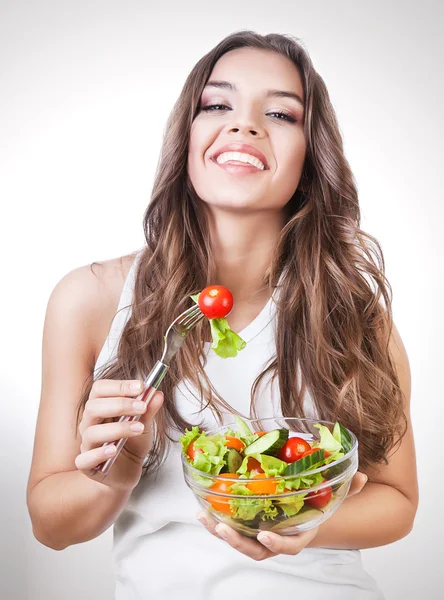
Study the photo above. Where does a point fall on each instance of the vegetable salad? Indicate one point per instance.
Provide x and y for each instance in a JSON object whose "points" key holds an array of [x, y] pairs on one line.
{"points": [[273, 463]]}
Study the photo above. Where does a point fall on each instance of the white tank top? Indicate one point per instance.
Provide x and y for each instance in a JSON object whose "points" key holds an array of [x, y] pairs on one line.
{"points": [[161, 551]]}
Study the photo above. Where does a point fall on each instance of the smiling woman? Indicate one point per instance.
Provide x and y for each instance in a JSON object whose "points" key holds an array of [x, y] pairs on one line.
{"points": [[253, 192]]}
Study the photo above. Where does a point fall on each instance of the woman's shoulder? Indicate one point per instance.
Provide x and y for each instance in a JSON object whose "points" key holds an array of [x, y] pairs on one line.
{"points": [[91, 293]]}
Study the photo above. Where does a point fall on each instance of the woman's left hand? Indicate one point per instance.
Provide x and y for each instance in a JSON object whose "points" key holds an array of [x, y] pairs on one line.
{"points": [[270, 544]]}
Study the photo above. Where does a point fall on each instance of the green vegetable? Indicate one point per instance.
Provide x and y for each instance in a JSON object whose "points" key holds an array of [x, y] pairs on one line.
{"points": [[234, 460], [271, 465], [269, 443], [226, 342], [211, 459], [188, 437], [306, 463], [248, 508], [327, 441], [346, 440], [292, 504], [243, 431]]}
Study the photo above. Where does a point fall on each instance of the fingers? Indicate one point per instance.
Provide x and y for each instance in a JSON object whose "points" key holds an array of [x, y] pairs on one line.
{"points": [[105, 388], [239, 542], [287, 544], [99, 409], [267, 544], [91, 459], [357, 483], [96, 435]]}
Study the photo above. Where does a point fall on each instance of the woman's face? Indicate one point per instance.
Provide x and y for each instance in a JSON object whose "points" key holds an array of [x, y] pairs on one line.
{"points": [[247, 145]]}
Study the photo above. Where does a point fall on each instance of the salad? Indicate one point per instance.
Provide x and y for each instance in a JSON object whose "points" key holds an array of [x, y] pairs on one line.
{"points": [[216, 302], [274, 464]]}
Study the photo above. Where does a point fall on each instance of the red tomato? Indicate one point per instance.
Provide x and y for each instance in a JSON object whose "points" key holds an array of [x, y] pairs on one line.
{"points": [[223, 487], [254, 465], [234, 442], [319, 499], [192, 451], [215, 301], [293, 449], [264, 485], [326, 452]]}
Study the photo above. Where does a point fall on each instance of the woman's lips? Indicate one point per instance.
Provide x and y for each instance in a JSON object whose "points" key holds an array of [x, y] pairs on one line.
{"points": [[237, 167]]}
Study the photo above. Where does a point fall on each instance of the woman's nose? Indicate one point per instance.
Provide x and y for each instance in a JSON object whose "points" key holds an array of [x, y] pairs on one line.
{"points": [[246, 125]]}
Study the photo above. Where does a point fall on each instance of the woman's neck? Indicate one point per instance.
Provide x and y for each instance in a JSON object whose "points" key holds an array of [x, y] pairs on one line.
{"points": [[243, 245]]}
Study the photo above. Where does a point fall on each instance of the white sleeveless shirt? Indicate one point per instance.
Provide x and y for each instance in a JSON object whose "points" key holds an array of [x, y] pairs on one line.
{"points": [[161, 551]]}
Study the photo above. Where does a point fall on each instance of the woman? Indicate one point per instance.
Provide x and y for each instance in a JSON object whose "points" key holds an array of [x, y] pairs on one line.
{"points": [[278, 224]]}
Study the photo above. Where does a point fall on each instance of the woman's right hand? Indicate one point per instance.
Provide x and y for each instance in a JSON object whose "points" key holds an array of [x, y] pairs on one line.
{"points": [[110, 399]]}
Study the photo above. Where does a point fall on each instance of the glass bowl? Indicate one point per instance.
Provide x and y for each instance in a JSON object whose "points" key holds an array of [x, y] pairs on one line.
{"points": [[287, 513]]}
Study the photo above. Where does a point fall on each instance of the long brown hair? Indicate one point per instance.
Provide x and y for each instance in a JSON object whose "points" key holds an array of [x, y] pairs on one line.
{"points": [[334, 306]]}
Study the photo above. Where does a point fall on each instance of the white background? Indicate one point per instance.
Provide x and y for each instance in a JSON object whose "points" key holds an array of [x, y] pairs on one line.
{"points": [[86, 88]]}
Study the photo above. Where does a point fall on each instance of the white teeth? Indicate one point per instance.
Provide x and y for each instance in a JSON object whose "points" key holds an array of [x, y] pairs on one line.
{"points": [[241, 157]]}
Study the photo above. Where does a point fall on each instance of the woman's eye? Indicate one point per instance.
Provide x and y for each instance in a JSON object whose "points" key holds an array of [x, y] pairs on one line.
{"points": [[213, 107], [283, 116]]}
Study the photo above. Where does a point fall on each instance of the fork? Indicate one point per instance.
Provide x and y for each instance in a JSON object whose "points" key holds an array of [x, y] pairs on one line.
{"points": [[174, 338]]}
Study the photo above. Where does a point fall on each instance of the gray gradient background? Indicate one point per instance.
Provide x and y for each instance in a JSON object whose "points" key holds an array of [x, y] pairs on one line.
{"points": [[86, 88]]}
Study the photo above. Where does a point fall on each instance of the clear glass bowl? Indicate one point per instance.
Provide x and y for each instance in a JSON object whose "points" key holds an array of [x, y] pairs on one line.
{"points": [[336, 479]]}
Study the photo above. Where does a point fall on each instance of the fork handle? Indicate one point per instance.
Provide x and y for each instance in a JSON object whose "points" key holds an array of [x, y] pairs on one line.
{"points": [[151, 385]]}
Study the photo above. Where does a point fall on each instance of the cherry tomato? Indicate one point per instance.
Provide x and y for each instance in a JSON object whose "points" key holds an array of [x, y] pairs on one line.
{"points": [[192, 451], [254, 465], [264, 485], [215, 301], [234, 442], [319, 499], [223, 487], [326, 452], [293, 449]]}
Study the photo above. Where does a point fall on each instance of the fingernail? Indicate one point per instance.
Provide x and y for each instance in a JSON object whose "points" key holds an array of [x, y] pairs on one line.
{"points": [[109, 450], [203, 521], [222, 532], [135, 387], [139, 405], [265, 540], [136, 427]]}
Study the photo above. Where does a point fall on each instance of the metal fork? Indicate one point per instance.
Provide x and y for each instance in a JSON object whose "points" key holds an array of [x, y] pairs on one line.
{"points": [[174, 338]]}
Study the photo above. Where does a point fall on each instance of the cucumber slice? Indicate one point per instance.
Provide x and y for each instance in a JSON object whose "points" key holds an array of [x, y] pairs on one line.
{"points": [[269, 443], [346, 440], [311, 515], [234, 460], [306, 463]]}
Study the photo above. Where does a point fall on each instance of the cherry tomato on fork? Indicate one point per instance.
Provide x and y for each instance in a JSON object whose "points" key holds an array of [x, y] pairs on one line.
{"points": [[215, 301]]}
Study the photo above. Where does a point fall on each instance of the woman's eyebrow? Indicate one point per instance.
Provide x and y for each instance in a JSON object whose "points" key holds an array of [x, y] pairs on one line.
{"points": [[226, 85]]}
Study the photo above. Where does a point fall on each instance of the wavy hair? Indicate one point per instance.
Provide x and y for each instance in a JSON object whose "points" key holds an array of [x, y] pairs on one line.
{"points": [[334, 315]]}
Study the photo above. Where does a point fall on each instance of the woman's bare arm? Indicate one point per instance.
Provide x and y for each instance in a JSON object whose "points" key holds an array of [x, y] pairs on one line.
{"points": [[384, 510], [67, 507]]}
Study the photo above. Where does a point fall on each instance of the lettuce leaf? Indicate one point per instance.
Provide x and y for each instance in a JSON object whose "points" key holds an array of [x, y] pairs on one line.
{"points": [[291, 505], [298, 483], [211, 460], [188, 437], [243, 431], [327, 441], [226, 342], [248, 508]]}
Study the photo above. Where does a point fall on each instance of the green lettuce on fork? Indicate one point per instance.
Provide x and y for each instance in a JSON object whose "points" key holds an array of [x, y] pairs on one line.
{"points": [[226, 342]]}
